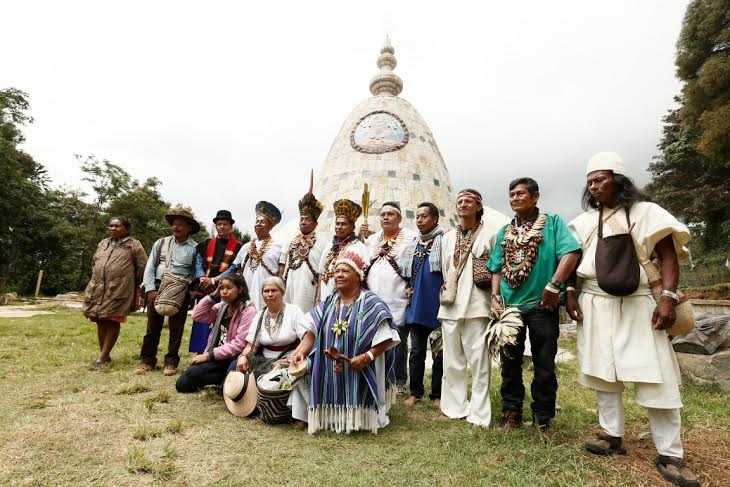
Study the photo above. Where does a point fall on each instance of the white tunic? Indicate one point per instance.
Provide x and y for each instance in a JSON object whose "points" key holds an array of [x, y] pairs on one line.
{"points": [[287, 334], [255, 277], [471, 302], [327, 288], [383, 279], [299, 288], [616, 341]]}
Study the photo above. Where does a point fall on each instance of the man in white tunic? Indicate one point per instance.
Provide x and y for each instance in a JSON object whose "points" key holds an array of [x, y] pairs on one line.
{"points": [[384, 276], [346, 214], [464, 315], [259, 258], [623, 338], [301, 257]]}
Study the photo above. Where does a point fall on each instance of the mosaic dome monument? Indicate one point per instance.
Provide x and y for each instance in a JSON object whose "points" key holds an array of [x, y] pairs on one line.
{"points": [[385, 143]]}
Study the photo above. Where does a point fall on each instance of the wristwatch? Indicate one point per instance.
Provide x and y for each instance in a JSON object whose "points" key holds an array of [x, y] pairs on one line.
{"points": [[556, 283]]}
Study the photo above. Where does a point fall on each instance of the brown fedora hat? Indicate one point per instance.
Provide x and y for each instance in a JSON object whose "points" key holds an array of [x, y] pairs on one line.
{"points": [[185, 215], [239, 393]]}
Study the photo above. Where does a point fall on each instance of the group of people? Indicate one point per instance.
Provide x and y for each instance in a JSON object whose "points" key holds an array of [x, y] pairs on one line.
{"points": [[344, 309]]}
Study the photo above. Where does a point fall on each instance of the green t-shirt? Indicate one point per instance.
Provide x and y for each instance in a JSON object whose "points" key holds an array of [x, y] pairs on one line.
{"points": [[556, 242]]}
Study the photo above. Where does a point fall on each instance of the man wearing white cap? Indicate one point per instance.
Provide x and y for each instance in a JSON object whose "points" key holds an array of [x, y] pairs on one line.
{"points": [[621, 328], [385, 277]]}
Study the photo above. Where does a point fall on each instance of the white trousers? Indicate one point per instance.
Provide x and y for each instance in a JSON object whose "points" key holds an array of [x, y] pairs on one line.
{"points": [[665, 423], [464, 346]]}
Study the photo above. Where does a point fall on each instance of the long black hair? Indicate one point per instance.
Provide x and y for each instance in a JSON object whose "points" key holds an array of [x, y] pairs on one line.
{"points": [[626, 192], [243, 297]]}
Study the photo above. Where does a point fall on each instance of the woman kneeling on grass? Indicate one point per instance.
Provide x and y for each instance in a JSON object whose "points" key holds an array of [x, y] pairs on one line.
{"points": [[348, 340], [227, 337], [273, 337]]}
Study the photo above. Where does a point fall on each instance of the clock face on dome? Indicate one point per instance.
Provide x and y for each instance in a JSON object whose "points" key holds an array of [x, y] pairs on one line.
{"points": [[379, 132]]}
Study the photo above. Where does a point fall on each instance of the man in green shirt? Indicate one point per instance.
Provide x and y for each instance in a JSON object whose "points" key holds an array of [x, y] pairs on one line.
{"points": [[531, 259]]}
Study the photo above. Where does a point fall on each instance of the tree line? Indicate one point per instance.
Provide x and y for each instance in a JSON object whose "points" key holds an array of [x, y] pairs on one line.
{"points": [[58, 229]]}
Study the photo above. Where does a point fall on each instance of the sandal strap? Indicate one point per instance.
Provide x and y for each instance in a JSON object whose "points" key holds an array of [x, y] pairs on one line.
{"points": [[666, 460], [614, 442]]}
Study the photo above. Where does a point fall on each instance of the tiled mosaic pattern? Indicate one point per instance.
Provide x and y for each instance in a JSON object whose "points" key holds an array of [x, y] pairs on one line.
{"points": [[410, 175]]}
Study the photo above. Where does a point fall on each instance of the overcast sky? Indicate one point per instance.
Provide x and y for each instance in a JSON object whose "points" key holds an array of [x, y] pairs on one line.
{"points": [[232, 102]]}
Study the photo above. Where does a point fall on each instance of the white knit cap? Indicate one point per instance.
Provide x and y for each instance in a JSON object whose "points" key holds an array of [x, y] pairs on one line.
{"points": [[606, 161]]}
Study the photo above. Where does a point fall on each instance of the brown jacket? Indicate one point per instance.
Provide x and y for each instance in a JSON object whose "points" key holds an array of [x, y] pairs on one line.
{"points": [[113, 278]]}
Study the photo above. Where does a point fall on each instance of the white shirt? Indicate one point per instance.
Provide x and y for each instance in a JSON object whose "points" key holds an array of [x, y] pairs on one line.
{"points": [[471, 302], [382, 277], [299, 288], [287, 333], [255, 277]]}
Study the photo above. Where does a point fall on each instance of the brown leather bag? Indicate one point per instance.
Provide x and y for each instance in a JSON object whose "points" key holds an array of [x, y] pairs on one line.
{"points": [[617, 266]]}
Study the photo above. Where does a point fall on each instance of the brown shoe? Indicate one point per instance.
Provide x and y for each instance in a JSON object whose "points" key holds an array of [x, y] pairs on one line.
{"points": [[411, 401], [169, 370], [300, 425], [606, 445], [510, 420], [143, 368], [676, 471]]}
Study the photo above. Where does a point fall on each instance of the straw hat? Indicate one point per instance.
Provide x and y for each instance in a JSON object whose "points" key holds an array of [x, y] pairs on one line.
{"points": [[298, 370], [183, 214], [239, 393]]}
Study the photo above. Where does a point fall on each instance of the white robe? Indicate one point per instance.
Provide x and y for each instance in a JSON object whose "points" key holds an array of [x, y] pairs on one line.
{"points": [[471, 302], [327, 288], [382, 278], [299, 288], [287, 334], [616, 342], [255, 278]]}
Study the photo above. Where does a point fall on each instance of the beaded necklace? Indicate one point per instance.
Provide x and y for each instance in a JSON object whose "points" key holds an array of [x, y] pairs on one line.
{"points": [[298, 254], [273, 330], [519, 249], [420, 259], [342, 324], [387, 252], [255, 257]]}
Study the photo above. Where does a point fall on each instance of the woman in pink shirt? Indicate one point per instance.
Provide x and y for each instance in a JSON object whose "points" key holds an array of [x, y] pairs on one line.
{"points": [[231, 320]]}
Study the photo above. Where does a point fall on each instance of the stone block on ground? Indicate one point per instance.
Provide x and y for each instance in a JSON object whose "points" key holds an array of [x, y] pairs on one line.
{"points": [[706, 369]]}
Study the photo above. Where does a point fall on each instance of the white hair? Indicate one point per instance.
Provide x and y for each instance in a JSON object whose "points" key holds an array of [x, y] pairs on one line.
{"points": [[276, 281]]}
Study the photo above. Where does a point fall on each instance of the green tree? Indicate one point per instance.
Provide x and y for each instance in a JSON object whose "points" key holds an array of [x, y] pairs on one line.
{"points": [[690, 185], [24, 185], [703, 63]]}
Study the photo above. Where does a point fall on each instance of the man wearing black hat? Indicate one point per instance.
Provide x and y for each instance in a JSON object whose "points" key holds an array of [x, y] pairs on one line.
{"points": [[179, 250], [215, 255]]}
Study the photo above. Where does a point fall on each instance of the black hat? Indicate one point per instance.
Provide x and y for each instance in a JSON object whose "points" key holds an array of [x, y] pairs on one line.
{"points": [[224, 215]]}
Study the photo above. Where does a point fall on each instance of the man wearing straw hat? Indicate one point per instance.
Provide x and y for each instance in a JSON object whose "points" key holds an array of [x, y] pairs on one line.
{"points": [[621, 327], [182, 264]]}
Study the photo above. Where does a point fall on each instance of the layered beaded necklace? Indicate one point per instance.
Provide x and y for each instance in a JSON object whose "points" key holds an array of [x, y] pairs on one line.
{"points": [[299, 253], [519, 249], [273, 330], [255, 257], [342, 324], [387, 249]]}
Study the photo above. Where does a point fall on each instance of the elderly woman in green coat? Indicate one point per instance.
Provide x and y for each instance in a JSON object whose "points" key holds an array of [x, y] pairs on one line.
{"points": [[116, 273]]}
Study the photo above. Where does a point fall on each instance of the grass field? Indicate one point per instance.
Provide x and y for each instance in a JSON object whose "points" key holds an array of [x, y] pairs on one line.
{"points": [[65, 424]]}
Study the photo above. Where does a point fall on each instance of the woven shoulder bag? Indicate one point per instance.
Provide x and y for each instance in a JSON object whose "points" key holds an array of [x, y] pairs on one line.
{"points": [[173, 289]]}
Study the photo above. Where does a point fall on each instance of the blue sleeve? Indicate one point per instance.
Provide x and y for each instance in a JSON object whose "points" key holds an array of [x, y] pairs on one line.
{"points": [[229, 271], [198, 266], [565, 243], [149, 269], [495, 258]]}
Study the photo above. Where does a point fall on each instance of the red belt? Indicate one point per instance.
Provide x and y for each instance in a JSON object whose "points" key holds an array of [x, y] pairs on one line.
{"points": [[281, 348]]}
